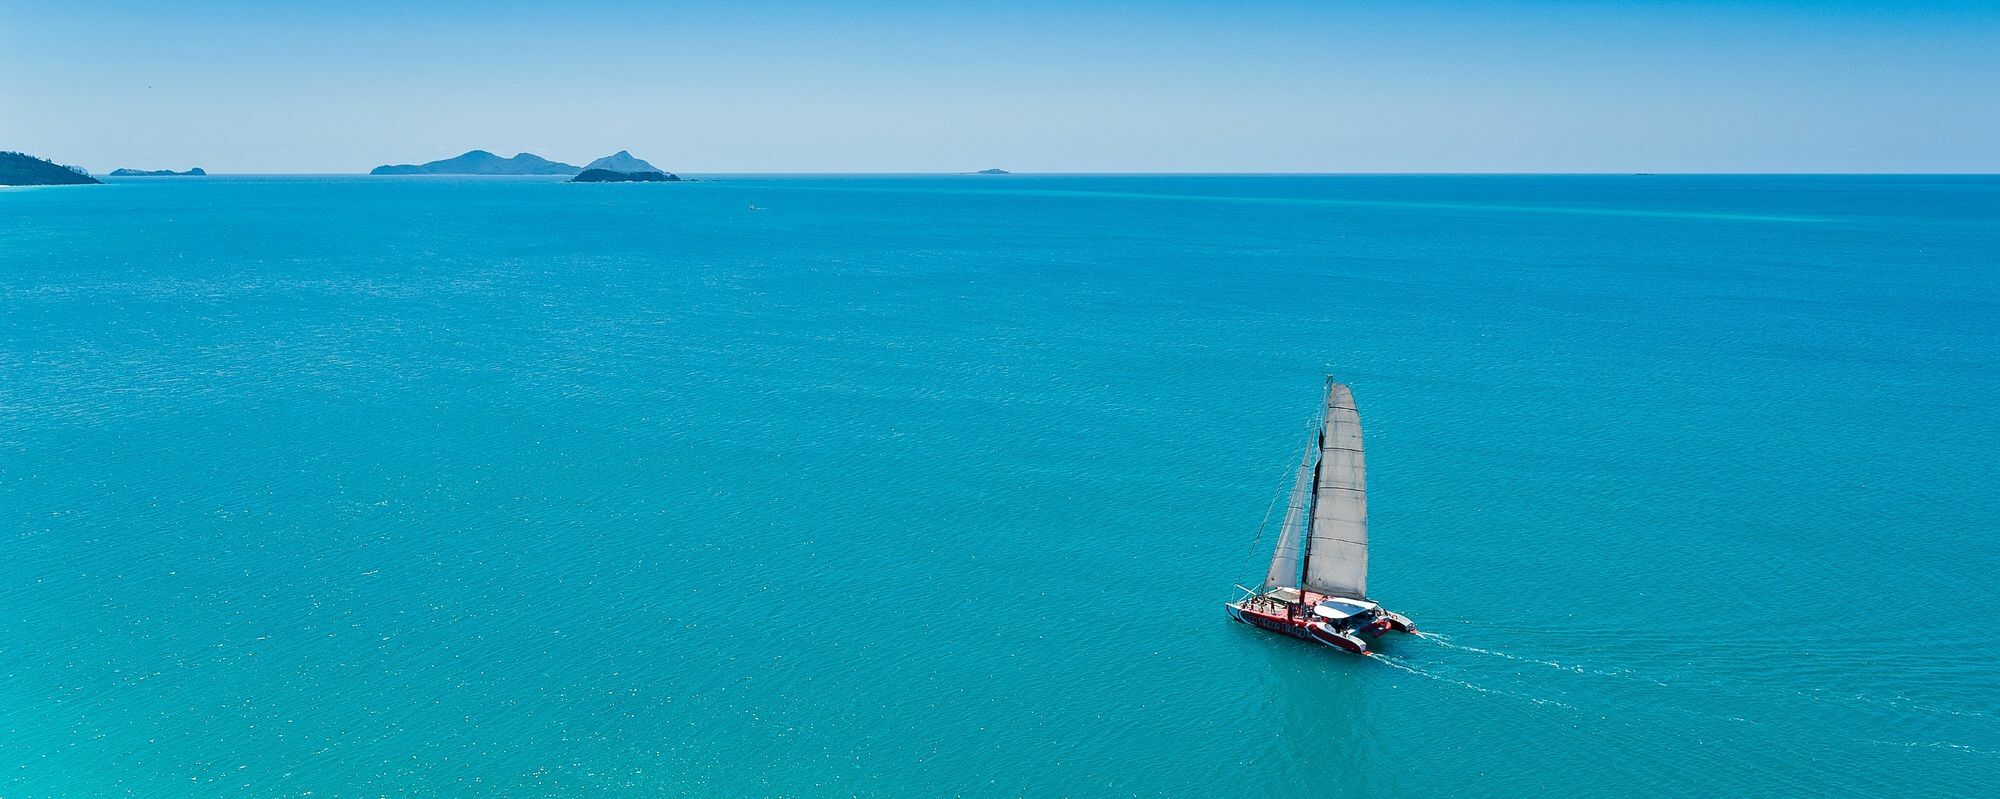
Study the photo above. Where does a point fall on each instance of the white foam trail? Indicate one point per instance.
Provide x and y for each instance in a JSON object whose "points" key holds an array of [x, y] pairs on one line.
{"points": [[1894, 701], [1939, 745], [1903, 703], [1445, 641], [1397, 664]]}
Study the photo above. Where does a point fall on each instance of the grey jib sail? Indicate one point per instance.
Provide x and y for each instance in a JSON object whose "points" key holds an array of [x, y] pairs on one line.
{"points": [[1285, 561], [1337, 544]]}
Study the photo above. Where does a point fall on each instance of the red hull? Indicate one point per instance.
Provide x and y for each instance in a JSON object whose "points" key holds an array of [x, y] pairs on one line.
{"points": [[1295, 628], [1316, 630]]}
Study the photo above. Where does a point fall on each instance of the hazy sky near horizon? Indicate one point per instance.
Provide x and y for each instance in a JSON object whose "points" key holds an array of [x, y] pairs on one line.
{"points": [[1760, 85]]}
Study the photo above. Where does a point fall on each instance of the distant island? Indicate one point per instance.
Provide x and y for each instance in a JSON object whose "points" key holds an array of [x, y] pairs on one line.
{"points": [[481, 162], [156, 173], [993, 172], [21, 169], [621, 161], [614, 176]]}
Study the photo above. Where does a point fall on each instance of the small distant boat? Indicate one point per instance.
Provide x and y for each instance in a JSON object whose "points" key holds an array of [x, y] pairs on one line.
{"points": [[753, 207], [1317, 587]]}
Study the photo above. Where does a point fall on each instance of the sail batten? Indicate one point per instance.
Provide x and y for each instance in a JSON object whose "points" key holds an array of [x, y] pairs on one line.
{"points": [[1336, 547]]}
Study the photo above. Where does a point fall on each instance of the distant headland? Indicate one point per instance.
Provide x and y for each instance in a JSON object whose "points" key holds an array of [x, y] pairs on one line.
{"points": [[481, 162], [993, 172], [21, 169], [156, 173]]}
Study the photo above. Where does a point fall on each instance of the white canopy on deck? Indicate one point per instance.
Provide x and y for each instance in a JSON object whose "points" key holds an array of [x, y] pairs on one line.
{"points": [[1342, 608]]}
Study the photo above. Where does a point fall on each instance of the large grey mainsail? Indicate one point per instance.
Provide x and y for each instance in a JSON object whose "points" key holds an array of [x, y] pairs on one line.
{"points": [[1337, 546], [1285, 561]]}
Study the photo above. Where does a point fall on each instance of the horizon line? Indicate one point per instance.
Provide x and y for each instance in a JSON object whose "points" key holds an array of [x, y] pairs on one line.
{"points": [[1084, 173]]}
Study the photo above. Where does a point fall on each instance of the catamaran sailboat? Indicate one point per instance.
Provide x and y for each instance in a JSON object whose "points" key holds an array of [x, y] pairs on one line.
{"points": [[1317, 588]]}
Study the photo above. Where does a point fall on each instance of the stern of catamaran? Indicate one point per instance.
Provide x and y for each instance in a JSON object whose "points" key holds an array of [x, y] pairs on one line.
{"points": [[1360, 616], [1397, 621]]}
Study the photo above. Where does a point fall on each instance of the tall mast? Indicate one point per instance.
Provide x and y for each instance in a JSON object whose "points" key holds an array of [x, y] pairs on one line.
{"points": [[1305, 539], [1312, 499]]}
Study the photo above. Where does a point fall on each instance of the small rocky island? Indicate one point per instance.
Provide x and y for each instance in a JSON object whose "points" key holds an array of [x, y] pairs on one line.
{"points": [[21, 169], [622, 161], [993, 172], [613, 176], [621, 167], [156, 173]]}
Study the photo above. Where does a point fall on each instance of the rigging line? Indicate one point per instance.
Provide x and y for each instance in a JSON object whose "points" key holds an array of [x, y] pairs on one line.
{"points": [[1312, 426], [1259, 538]]}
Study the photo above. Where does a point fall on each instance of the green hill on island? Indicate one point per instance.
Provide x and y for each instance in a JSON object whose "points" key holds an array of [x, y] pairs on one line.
{"points": [[622, 161], [21, 169], [481, 162], [157, 173], [614, 176]]}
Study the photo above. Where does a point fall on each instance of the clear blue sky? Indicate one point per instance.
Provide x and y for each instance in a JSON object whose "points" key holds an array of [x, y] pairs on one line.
{"points": [[1217, 85]]}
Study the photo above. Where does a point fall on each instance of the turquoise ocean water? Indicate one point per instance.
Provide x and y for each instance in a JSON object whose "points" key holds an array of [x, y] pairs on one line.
{"points": [[934, 486]]}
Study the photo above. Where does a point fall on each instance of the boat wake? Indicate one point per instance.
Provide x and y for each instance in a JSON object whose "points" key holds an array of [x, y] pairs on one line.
{"points": [[1945, 745], [1899, 703], [1399, 664], [1445, 641], [1896, 702]]}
